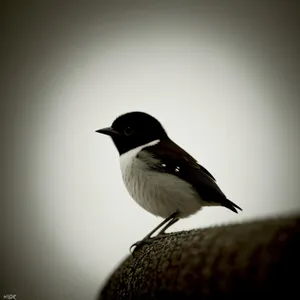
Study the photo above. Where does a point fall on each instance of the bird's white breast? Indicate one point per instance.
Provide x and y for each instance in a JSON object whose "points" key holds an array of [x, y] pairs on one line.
{"points": [[159, 193]]}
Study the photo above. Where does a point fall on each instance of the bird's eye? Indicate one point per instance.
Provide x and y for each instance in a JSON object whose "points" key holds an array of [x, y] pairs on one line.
{"points": [[128, 130]]}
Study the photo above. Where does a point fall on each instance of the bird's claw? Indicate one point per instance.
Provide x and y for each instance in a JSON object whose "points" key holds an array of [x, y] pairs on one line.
{"points": [[139, 244]]}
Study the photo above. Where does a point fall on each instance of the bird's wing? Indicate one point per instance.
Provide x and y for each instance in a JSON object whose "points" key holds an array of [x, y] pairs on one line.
{"points": [[174, 160]]}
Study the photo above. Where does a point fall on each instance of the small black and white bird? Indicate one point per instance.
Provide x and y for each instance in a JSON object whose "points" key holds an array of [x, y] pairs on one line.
{"points": [[159, 175]]}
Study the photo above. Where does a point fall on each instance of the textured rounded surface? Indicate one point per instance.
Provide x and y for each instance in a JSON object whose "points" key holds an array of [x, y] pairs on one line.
{"points": [[254, 258]]}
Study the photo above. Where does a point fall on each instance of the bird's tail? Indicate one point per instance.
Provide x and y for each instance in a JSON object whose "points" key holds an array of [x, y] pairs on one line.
{"points": [[230, 205]]}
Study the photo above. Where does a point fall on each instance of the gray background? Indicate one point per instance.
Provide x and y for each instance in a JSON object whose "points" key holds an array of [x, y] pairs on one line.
{"points": [[222, 76]]}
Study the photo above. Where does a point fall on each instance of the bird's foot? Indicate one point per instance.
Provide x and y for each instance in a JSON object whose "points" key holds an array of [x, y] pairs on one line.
{"points": [[140, 243], [144, 241]]}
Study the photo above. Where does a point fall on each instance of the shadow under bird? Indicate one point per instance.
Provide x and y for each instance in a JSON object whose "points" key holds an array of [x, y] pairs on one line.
{"points": [[159, 175]]}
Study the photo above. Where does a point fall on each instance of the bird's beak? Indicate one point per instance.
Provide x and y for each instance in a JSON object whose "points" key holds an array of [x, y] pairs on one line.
{"points": [[108, 131]]}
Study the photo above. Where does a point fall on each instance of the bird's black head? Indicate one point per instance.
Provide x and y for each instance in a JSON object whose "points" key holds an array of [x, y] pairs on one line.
{"points": [[134, 129]]}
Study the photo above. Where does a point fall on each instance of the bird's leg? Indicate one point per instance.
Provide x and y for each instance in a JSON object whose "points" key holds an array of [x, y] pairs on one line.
{"points": [[173, 221], [147, 238]]}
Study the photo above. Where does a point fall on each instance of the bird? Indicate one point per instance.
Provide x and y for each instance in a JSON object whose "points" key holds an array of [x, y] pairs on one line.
{"points": [[159, 175]]}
